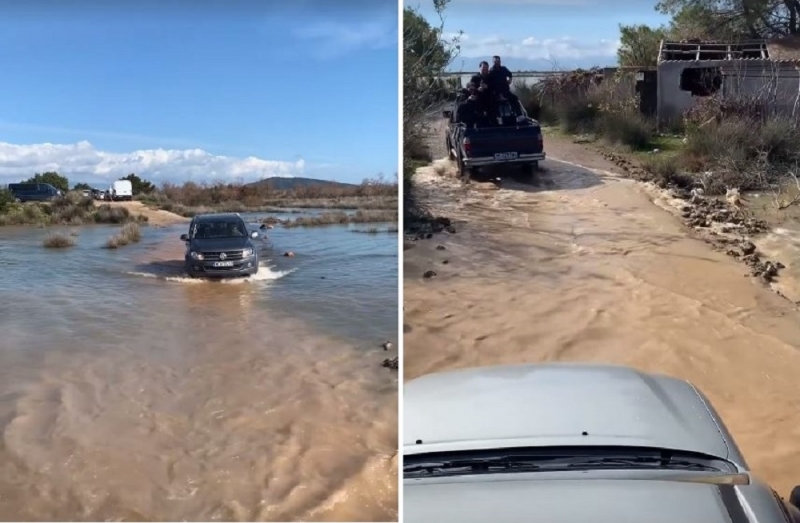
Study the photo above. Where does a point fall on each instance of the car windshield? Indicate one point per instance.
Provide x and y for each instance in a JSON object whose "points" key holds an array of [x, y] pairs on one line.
{"points": [[220, 229], [559, 459]]}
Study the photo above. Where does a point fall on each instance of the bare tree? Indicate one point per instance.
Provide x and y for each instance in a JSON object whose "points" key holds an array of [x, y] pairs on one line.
{"points": [[426, 54], [784, 197]]}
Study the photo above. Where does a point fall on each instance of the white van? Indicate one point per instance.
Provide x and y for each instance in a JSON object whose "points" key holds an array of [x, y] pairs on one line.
{"points": [[120, 190]]}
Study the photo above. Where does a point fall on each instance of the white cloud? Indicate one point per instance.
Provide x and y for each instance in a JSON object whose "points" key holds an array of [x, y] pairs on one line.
{"points": [[81, 161], [333, 38], [532, 48]]}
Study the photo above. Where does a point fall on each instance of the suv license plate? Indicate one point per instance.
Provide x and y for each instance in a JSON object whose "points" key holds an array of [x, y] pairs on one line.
{"points": [[505, 156], [223, 264]]}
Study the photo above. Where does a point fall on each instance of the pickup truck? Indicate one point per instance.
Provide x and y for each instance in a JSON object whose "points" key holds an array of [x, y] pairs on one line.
{"points": [[511, 140]]}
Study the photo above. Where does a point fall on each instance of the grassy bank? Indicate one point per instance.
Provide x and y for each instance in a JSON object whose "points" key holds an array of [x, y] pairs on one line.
{"points": [[341, 218], [71, 209], [375, 230], [192, 198], [718, 144]]}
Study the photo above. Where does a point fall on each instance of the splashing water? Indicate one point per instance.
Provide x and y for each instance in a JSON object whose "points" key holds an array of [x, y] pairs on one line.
{"points": [[173, 272]]}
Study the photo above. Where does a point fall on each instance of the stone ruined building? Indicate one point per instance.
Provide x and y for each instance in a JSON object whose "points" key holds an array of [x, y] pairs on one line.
{"points": [[765, 69]]}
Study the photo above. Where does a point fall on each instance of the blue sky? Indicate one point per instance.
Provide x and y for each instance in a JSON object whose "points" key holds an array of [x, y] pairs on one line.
{"points": [[538, 34], [237, 89]]}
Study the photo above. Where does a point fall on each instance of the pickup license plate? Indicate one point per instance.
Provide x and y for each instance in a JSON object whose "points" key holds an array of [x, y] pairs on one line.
{"points": [[223, 264], [505, 156]]}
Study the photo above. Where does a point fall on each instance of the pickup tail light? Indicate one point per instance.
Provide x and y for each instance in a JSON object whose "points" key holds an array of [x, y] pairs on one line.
{"points": [[467, 146]]}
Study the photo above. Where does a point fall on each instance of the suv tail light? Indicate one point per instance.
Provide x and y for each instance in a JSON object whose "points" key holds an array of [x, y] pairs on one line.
{"points": [[467, 146]]}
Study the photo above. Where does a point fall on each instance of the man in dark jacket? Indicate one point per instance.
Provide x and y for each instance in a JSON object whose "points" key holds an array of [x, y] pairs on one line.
{"points": [[500, 80], [486, 95], [483, 79], [500, 76], [470, 110]]}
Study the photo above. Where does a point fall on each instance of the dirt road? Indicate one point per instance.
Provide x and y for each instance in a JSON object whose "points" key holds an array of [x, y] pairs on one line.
{"points": [[583, 266], [157, 217]]}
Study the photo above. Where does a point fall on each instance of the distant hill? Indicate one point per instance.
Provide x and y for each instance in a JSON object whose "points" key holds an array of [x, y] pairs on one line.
{"points": [[287, 184]]}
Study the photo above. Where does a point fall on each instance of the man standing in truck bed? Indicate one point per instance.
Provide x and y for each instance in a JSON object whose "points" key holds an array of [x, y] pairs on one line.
{"points": [[485, 92], [500, 82]]}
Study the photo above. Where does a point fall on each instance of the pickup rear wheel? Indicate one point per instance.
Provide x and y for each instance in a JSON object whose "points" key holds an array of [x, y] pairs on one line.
{"points": [[450, 149], [463, 172], [529, 171]]}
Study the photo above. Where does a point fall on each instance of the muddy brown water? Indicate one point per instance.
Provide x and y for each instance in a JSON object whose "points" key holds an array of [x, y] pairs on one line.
{"points": [[128, 392], [583, 266]]}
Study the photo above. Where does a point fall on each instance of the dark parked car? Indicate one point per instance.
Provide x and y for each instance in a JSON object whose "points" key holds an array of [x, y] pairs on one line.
{"points": [[33, 192], [220, 245]]}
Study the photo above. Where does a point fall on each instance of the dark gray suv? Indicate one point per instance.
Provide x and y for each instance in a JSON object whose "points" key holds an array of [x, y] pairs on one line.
{"points": [[219, 245]]}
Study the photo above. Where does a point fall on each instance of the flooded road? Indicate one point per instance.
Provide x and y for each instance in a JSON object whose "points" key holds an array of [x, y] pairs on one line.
{"points": [[128, 392], [582, 266]]}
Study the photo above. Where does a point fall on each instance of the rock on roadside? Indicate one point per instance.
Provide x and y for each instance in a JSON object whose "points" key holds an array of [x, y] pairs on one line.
{"points": [[717, 223]]}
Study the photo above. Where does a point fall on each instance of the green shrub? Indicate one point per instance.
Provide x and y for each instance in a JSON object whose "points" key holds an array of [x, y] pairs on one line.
{"points": [[130, 233], [626, 128], [666, 170], [6, 199], [576, 116], [57, 240], [111, 214]]}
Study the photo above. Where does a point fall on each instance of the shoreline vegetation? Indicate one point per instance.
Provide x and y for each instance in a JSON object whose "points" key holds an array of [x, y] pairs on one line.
{"points": [[374, 201], [71, 209], [193, 198]]}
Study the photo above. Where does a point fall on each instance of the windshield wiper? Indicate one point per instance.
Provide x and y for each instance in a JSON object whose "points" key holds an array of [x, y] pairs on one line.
{"points": [[471, 466], [642, 462], [525, 463]]}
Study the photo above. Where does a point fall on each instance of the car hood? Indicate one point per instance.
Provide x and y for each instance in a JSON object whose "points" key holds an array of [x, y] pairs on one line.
{"points": [[513, 500], [551, 405], [221, 244]]}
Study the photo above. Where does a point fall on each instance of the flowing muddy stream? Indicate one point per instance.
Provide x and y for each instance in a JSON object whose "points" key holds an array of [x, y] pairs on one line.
{"points": [[128, 392], [582, 266], [782, 242]]}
